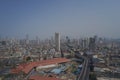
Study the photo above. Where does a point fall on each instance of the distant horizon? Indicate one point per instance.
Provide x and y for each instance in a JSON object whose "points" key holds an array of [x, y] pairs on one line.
{"points": [[52, 36], [74, 18]]}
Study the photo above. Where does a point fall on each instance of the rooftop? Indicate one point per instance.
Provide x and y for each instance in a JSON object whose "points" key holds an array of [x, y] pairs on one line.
{"points": [[62, 71], [42, 78], [29, 66]]}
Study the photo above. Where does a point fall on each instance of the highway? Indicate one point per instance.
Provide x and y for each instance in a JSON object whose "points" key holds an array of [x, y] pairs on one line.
{"points": [[84, 75]]}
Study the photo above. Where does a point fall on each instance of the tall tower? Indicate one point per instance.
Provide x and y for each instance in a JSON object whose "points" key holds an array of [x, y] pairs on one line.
{"points": [[37, 40], [27, 39], [57, 41], [92, 43]]}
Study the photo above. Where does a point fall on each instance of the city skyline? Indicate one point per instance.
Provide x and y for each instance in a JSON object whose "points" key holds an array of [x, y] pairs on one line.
{"points": [[70, 18]]}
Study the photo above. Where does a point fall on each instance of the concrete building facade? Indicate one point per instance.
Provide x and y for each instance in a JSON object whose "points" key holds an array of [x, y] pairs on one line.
{"points": [[57, 41]]}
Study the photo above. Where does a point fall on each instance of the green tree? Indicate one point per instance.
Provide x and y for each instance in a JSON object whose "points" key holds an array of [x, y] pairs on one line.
{"points": [[28, 58]]}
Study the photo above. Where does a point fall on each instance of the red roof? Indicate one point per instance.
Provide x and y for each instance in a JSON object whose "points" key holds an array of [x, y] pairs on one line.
{"points": [[15, 71], [42, 78], [27, 67]]}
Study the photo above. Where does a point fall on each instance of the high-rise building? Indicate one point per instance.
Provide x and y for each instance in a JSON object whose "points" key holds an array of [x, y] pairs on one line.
{"points": [[84, 43], [92, 43], [27, 39], [57, 41], [37, 40]]}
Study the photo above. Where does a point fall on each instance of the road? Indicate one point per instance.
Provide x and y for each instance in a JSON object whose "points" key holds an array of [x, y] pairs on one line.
{"points": [[84, 75]]}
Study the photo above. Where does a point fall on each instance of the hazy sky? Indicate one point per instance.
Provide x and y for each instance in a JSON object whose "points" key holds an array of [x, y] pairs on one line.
{"points": [[69, 17]]}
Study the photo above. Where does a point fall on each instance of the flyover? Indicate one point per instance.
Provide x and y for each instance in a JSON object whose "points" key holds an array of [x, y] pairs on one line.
{"points": [[84, 75]]}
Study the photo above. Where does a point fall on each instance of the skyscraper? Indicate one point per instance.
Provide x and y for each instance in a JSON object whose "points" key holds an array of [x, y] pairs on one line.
{"points": [[27, 39], [57, 41], [37, 40], [92, 43]]}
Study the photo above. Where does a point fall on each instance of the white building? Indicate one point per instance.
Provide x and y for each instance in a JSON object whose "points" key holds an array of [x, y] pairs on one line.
{"points": [[57, 41]]}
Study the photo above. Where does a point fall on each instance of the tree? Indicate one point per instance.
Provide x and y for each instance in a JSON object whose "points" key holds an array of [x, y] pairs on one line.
{"points": [[28, 58]]}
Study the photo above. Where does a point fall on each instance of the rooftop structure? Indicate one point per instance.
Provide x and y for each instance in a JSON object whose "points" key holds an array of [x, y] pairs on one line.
{"points": [[62, 71], [42, 78], [29, 66]]}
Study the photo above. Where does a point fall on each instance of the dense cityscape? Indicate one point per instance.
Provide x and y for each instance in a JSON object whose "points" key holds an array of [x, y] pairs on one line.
{"points": [[60, 58], [59, 39]]}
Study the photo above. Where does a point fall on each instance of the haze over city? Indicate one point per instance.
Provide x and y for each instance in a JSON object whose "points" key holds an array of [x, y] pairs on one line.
{"points": [[69, 17], [59, 40]]}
